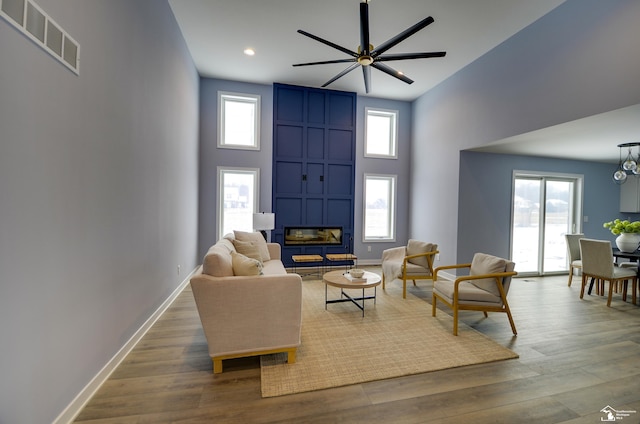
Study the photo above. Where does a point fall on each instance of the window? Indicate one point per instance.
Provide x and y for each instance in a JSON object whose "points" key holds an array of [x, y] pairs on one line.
{"points": [[379, 207], [381, 133], [237, 199], [238, 121]]}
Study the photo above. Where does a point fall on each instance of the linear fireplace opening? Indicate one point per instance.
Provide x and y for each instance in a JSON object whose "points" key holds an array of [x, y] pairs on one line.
{"points": [[312, 236]]}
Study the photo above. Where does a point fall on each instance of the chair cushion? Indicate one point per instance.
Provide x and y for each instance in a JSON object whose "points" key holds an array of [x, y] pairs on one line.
{"points": [[467, 292], [487, 264], [256, 238], [415, 247], [243, 265], [248, 248]]}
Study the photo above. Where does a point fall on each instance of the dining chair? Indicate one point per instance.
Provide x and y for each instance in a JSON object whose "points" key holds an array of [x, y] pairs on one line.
{"points": [[597, 263], [573, 249]]}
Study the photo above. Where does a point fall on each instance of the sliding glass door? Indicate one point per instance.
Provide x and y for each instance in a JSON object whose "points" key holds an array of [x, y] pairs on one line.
{"points": [[545, 208]]}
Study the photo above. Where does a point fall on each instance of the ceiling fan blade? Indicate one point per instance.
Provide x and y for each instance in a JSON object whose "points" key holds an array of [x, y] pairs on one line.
{"points": [[325, 62], [406, 56], [388, 70], [402, 36], [341, 74], [364, 29], [329, 43], [366, 71]]}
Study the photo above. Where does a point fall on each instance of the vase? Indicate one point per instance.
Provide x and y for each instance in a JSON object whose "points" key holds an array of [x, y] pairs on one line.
{"points": [[628, 242]]}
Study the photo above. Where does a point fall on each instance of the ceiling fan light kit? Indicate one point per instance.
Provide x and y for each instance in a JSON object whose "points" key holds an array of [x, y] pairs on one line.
{"points": [[367, 56]]}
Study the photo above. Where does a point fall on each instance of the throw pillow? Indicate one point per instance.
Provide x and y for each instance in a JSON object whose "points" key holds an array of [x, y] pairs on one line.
{"points": [[248, 249], [256, 238], [415, 247], [487, 264], [243, 265]]}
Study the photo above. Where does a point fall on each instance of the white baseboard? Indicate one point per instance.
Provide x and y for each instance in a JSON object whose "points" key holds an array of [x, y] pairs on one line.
{"points": [[73, 409]]}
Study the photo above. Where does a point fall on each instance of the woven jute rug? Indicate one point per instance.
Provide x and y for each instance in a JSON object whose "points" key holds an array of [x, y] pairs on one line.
{"points": [[396, 337]]}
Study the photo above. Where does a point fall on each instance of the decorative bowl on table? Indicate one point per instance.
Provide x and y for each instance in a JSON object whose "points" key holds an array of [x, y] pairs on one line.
{"points": [[356, 273]]}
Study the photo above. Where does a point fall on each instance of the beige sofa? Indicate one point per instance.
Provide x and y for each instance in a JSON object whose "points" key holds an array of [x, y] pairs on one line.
{"points": [[247, 315]]}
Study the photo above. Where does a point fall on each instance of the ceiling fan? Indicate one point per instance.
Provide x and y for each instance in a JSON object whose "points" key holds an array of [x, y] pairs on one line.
{"points": [[367, 56]]}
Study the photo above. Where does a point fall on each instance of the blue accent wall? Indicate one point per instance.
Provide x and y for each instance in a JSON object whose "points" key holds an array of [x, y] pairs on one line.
{"points": [[211, 157], [484, 199]]}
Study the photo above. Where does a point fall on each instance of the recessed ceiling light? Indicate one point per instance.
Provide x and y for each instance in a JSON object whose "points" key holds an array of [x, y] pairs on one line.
{"points": [[249, 51]]}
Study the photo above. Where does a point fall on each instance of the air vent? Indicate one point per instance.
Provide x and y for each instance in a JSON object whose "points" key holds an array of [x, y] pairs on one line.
{"points": [[34, 23]]}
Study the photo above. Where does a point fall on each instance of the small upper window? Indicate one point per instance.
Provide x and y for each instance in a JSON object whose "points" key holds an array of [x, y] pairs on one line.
{"points": [[238, 121], [381, 133]]}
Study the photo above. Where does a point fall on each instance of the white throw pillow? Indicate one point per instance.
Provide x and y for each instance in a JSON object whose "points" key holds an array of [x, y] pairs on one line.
{"points": [[248, 249], [257, 239], [243, 265]]}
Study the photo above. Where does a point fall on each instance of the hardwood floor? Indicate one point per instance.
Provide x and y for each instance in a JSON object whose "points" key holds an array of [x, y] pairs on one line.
{"points": [[576, 358]]}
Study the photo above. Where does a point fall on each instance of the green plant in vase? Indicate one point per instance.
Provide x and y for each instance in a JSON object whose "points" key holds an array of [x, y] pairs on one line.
{"points": [[618, 226], [627, 232]]}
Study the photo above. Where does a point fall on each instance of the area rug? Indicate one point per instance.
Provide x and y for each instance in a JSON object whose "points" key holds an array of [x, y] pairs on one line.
{"points": [[396, 337]]}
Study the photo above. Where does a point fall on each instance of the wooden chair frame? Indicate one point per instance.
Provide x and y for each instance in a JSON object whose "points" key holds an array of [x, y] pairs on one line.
{"points": [[430, 257], [456, 306]]}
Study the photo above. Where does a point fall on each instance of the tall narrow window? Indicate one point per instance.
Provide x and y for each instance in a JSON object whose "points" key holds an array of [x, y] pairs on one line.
{"points": [[381, 133], [238, 121], [379, 207], [237, 199]]}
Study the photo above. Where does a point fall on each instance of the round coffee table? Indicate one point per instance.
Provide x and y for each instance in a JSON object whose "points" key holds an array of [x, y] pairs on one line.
{"points": [[339, 279]]}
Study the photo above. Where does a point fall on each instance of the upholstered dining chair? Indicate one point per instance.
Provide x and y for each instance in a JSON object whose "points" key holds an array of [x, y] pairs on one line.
{"points": [[573, 249], [597, 263], [484, 289], [411, 262]]}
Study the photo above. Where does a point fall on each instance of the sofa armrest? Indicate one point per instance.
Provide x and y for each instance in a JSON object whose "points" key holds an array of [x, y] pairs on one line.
{"points": [[246, 314], [275, 251]]}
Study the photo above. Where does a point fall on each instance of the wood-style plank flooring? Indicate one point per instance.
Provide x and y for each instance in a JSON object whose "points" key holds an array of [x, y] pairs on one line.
{"points": [[576, 358]]}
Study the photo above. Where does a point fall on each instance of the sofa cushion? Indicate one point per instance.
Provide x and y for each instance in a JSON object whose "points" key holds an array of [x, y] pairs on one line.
{"points": [[256, 238], [217, 262], [248, 249], [243, 265], [415, 247], [487, 264]]}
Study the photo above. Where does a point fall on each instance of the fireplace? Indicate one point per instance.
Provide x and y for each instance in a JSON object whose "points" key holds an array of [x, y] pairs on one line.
{"points": [[313, 236]]}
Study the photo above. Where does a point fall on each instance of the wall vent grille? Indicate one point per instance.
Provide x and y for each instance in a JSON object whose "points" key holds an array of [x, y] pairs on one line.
{"points": [[35, 24]]}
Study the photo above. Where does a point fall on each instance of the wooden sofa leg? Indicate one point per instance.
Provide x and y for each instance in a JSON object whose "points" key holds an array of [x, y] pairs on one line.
{"points": [[217, 365], [291, 356]]}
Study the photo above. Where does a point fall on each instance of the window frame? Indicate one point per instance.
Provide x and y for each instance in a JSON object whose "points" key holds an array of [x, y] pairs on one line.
{"points": [[393, 132], [391, 210], [221, 171], [254, 99]]}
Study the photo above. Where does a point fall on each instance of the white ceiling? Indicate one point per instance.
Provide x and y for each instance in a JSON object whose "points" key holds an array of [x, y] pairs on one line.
{"points": [[218, 31]]}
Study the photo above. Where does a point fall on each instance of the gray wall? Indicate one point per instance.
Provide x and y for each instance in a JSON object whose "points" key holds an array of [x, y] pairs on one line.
{"points": [[484, 215], [98, 189], [578, 61], [211, 157]]}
